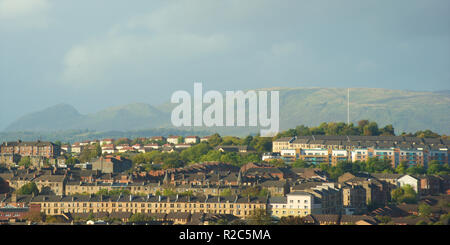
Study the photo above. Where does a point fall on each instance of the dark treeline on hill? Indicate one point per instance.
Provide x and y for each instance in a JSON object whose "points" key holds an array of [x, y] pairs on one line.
{"points": [[364, 128]]}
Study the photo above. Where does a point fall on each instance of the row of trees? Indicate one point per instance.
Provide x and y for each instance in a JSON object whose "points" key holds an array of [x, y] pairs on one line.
{"points": [[364, 127], [201, 152]]}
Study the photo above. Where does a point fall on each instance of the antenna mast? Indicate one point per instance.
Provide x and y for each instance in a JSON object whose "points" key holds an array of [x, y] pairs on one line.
{"points": [[348, 106]]}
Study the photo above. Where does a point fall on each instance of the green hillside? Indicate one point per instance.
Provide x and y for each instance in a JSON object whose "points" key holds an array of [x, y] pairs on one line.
{"points": [[407, 111]]}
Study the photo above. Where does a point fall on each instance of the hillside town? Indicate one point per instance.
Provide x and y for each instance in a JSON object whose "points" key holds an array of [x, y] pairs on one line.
{"points": [[315, 180]]}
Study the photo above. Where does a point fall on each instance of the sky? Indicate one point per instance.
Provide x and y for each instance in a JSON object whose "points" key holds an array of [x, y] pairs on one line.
{"points": [[94, 54]]}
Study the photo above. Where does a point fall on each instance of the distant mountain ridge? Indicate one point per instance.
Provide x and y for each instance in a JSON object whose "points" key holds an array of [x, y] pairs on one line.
{"points": [[57, 117], [66, 117], [407, 111]]}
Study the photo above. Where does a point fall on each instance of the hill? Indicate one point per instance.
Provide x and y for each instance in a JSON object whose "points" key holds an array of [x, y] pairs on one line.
{"points": [[65, 117], [57, 117], [407, 111]]}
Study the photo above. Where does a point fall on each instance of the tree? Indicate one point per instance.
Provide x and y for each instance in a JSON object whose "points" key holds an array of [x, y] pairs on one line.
{"points": [[121, 141], [401, 168], [91, 216], [225, 192], [427, 134], [363, 123], [28, 189], [169, 192], [276, 162], [371, 129], [416, 170], [388, 130], [254, 191], [25, 161], [72, 161], [424, 210], [194, 153], [260, 217], [212, 155], [214, 140], [139, 217], [261, 144], [88, 154], [375, 165], [180, 139], [324, 166], [345, 166], [434, 167], [405, 194], [299, 163], [98, 150]]}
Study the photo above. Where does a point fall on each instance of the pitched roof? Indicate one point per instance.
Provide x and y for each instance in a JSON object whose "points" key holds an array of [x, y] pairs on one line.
{"points": [[356, 218], [386, 175], [324, 218]]}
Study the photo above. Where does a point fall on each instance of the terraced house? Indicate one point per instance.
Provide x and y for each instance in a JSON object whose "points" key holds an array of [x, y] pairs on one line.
{"points": [[37, 148], [239, 206], [294, 204], [328, 196], [51, 184]]}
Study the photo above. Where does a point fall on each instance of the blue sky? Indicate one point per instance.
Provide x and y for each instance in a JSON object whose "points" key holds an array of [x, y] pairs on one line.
{"points": [[96, 54]]}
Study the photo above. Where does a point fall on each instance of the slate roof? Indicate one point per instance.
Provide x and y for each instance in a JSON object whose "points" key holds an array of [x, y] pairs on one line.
{"points": [[355, 218], [148, 198], [306, 185], [278, 199], [319, 218], [273, 183], [386, 175]]}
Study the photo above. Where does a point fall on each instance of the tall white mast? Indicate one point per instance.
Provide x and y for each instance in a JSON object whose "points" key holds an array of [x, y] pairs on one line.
{"points": [[348, 106]]}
